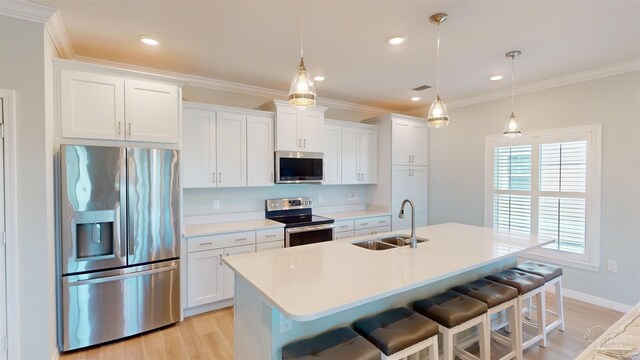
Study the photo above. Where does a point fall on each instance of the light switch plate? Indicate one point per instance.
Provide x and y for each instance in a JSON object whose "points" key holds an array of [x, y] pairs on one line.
{"points": [[612, 266], [285, 324], [216, 204]]}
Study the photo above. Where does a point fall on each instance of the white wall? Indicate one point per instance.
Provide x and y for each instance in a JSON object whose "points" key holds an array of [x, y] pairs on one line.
{"points": [[22, 68], [456, 173]]}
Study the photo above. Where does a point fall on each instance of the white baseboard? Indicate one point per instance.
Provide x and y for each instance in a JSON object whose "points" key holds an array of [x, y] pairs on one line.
{"points": [[594, 300], [206, 308]]}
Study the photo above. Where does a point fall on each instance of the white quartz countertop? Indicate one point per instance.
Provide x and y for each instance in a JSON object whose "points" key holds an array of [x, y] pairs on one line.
{"points": [[228, 227], [312, 281], [350, 215]]}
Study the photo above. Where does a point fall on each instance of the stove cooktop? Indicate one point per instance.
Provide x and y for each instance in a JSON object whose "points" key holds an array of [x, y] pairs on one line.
{"points": [[302, 220]]}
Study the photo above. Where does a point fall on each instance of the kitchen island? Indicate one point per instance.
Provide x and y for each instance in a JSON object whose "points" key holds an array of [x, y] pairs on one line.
{"points": [[287, 294]]}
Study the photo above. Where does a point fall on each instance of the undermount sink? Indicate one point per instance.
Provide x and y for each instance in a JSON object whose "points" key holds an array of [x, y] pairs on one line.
{"points": [[400, 240], [386, 243]]}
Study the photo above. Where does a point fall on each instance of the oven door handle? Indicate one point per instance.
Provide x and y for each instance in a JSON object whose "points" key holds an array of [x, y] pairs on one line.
{"points": [[296, 230]]}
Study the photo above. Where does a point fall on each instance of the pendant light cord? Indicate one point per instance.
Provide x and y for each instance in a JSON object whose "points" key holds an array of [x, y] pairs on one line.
{"points": [[301, 20], [438, 61], [513, 59]]}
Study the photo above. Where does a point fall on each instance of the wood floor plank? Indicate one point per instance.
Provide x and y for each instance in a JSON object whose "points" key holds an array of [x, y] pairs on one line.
{"points": [[210, 336]]}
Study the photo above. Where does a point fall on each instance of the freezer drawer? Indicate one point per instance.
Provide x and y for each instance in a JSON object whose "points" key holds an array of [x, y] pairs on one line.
{"points": [[109, 305]]}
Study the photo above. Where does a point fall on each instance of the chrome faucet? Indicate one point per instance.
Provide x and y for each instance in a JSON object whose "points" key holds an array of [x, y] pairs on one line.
{"points": [[414, 240]]}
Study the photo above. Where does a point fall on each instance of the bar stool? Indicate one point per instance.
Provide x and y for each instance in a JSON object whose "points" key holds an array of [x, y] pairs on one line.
{"points": [[338, 344], [552, 277], [399, 333], [455, 313], [528, 286], [498, 298]]}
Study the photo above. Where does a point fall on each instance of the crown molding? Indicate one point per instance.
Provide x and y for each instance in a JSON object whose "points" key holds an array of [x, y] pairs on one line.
{"points": [[58, 33], [228, 86], [24, 10], [563, 80]]}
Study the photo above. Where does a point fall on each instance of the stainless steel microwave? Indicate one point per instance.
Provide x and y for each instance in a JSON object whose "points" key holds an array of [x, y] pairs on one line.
{"points": [[298, 167]]}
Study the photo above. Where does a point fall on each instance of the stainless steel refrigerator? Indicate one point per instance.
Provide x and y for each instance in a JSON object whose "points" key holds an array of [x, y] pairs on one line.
{"points": [[119, 243]]}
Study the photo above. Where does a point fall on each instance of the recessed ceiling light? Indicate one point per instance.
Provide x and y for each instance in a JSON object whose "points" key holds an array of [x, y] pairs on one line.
{"points": [[415, 98], [496, 78], [318, 78], [396, 39], [147, 40]]}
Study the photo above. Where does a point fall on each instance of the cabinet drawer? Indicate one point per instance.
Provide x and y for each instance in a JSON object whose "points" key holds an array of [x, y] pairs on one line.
{"points": [[372, 231], [368, 223], [270, 245], [269, 235], [343, 235], [345, 225], [221, 241]]}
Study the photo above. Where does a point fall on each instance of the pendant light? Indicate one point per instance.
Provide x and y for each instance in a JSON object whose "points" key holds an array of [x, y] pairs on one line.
{"points": [[302, 92], [511, 128], [438, 116]]}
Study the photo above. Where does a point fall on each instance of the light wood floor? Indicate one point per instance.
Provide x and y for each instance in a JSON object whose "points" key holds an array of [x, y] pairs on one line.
{"points": [[210, 336]]}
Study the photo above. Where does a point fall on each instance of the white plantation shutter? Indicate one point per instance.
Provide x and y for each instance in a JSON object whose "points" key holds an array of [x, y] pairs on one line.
{"points": [[562, 204], [548, 183]]}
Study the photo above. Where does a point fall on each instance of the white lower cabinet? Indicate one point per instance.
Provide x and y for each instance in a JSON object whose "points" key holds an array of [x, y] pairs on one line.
{"points": [[229, 276], [372, 231], [269, 239], [205, 278], [346, 229], [270, 245]]}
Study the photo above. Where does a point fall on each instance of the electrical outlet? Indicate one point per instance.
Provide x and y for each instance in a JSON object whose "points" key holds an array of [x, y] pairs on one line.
{"points": [[351, 197], [216, 204], [320, 199], [612, 266], [355, 196], [285, 324]]}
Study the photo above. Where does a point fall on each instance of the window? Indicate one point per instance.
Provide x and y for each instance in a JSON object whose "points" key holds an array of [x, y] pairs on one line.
{"points": [[548, 183]]}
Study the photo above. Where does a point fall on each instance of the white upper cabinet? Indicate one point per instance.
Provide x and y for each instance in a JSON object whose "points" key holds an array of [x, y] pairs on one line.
{"points": [[409, 142], [297, 130], [332, 152], [259, 151], [198, 150], [91, 105], [359, 155], [226, 147], [151, 111], [110, 104], [231, 149], [409, 182]]}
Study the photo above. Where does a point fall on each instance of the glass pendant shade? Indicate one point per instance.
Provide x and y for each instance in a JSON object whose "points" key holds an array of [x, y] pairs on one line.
{"points": [[512, 129], [438, 115], [302, 92]]}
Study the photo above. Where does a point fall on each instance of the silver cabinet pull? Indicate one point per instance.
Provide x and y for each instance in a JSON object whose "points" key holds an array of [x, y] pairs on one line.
{"points": [[272, 235], [382, 221], [220, 260], [219, 178], [119, 123], [213, 178], [241, 239], [364, 224], [205, 243], [129, 129], [344, 226], [272, 179], [305, 143]]}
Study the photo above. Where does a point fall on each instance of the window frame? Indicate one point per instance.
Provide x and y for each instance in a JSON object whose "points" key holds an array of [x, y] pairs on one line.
{"points": [[590, 260]]}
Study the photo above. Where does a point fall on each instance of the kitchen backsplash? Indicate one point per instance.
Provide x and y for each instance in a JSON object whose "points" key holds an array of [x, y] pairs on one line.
{"points": [[250, 199]]}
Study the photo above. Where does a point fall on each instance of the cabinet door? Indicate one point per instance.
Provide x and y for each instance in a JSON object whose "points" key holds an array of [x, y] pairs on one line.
{"points": [[259, 151], [288, 130], [198, 166], [312, 130], [151, 111], [368, 156], [418, 193], [332, 152], [418, 143], [229, 277], [401, 142], [231, 149], [91, 105], [204, 277], [350, 144], [400, 190]]}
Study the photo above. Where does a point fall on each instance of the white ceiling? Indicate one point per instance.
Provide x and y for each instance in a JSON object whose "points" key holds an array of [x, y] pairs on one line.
{"points": [[257, 42]]}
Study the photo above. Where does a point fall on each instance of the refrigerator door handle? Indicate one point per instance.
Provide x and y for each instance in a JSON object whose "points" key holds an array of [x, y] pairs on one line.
{"points": [[120, 277]]}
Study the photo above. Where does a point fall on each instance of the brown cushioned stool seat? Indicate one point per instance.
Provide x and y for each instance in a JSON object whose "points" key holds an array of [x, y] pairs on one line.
{"points": [[489, 292], [450, 308], [548, 272], [395, 330], [522, 281], [338, 344]]}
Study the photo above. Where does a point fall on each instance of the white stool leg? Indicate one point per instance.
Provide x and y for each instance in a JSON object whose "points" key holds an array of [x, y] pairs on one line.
{"points": [[433, 350], [560, 303], [517, 324], [541, 320], [447, 344], [529, 308], [484, 330], [516, 329]]}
